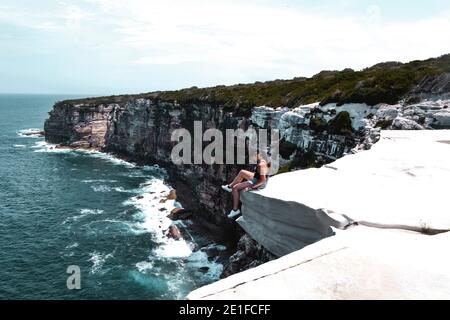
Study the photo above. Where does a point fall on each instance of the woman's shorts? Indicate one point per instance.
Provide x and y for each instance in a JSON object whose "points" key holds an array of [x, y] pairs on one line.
{"points": [[254, 181]]}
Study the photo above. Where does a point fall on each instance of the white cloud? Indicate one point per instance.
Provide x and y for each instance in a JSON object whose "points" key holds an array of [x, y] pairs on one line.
{"points": [[73, 16], [230, 41], [262, 36]]}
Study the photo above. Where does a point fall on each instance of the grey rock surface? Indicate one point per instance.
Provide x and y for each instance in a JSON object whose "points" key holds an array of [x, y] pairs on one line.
{"points": [[359, 263]]}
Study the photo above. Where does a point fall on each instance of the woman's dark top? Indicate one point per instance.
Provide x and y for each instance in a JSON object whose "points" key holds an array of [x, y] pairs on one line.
{"points": [[257, 175]]}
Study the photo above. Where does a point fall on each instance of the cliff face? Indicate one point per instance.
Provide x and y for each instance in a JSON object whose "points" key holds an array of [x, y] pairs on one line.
{"points": [[78, 125], [140, 128]]}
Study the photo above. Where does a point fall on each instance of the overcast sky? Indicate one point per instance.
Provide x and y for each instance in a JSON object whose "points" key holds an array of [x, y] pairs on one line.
{"points": [[113, 46]]}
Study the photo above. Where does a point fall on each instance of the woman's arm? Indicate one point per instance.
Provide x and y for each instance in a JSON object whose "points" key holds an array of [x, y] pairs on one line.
{"points": [[262, 167]]}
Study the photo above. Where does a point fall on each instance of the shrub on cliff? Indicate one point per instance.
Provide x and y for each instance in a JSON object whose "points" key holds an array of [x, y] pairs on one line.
{"points": [[284, 169], [341, 124], [383, 123], [382, 83], [318, 124], [286, 149], [302, 160]]}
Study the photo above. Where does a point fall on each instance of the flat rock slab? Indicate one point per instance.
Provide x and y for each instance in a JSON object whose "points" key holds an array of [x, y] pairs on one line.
{"points": [[399, 188], [402, 182], [403, 179], [359, 263]]}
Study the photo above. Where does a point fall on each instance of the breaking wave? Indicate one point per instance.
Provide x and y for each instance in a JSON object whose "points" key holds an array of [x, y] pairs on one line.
{"points": [[30, 133], [82, 213], [149, 208], [98, 260]]}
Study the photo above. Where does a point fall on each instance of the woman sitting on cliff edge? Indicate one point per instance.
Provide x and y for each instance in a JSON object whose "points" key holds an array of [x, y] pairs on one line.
{"points": [[254, 180]]}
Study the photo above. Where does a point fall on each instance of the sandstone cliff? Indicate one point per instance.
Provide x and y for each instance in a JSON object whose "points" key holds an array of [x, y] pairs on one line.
{"points": [[140, 126]]}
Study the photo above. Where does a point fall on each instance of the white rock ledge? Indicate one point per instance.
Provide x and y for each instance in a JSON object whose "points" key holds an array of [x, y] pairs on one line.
{"points": [[360, 263], [400, 183], [399, 188]]}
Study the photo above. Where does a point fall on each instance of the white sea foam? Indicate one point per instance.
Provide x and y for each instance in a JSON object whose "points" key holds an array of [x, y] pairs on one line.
{"points": [[149, 204], [43, 146], [120, 226], [173, 249], [215, 246], [19, 146], [91, 211], [98, 260], [178, 286], [143, 266], [108, 157], [101, 188], [73, 245], [153, 210], [30, 133], [105, 188], [69, 248], [199, 259], [144, 171], [198, 264], [98, 180], [40, 144], [122, 189], [83, 213]]}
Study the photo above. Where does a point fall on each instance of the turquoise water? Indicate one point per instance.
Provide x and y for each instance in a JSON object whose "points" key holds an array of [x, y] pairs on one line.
{"points": [[61, 208]]}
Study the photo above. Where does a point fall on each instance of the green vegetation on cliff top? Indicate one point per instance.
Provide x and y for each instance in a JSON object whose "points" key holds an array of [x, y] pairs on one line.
{"points": [[381, 83]]}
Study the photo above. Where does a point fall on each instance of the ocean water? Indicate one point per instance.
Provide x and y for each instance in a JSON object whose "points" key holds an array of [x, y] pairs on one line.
{"points": [[60, 208]]}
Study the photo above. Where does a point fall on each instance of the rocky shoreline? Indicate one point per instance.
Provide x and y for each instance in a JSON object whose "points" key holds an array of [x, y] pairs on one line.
{"points": [[138, 129]]}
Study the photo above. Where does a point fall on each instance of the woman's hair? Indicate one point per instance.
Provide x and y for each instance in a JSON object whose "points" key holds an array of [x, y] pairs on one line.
{"points": [[263, 156]]}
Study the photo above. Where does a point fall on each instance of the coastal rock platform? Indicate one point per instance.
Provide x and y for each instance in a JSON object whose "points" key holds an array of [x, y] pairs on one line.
{"points": [[370, 225]]}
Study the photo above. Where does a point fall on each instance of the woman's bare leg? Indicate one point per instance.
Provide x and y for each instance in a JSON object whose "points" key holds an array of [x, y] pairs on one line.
{"points": [[236, 189], [243, 174]]}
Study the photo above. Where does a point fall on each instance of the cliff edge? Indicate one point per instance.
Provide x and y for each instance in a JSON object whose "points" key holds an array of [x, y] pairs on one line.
{"points": [[381, 218], [320, 119]]}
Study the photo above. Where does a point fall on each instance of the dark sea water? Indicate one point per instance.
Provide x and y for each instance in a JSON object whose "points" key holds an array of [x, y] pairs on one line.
{"points": [[60, 208]]}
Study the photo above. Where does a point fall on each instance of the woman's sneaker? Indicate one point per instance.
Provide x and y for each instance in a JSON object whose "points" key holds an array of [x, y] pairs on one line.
{"points": [[234, 213], [226, 188]]}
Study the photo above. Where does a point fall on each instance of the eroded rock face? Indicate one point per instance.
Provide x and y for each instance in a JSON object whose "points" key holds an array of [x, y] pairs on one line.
{"points": [[296, 128], [431, 87], [427, 114], [141, 129], [249, 254], [82, 126]]}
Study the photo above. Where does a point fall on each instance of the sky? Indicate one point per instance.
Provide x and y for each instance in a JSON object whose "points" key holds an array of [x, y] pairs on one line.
{"points": [[103, 47]]}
